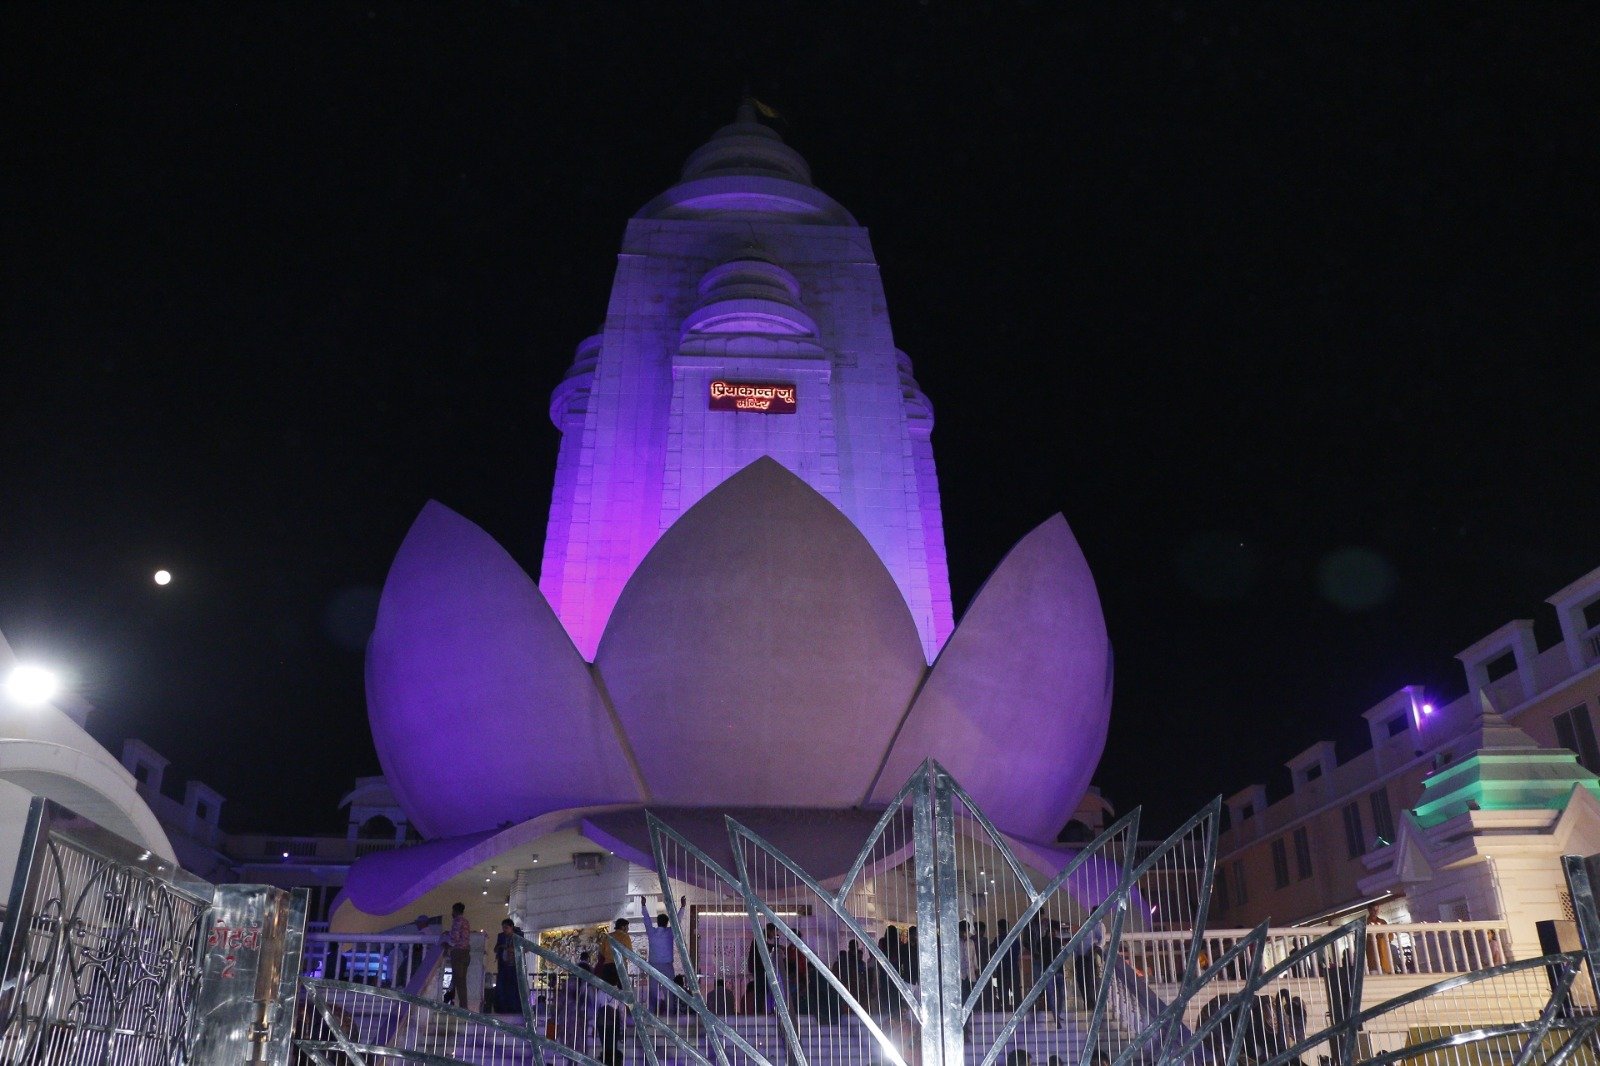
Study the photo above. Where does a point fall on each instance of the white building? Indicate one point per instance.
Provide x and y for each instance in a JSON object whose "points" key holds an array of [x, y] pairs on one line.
{"points": [[1458, 810]]}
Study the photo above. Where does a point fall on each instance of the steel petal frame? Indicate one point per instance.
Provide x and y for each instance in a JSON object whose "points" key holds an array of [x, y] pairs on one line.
{"points": [[936, 1002]]}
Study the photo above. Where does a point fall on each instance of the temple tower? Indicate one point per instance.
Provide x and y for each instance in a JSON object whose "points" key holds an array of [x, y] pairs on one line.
{"points": [[747, 318]]}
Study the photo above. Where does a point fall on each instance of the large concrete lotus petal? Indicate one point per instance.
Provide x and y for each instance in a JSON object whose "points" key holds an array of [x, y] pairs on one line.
{"points": [[761, 654], [386, 881], [1017, 705], [482, 710]]}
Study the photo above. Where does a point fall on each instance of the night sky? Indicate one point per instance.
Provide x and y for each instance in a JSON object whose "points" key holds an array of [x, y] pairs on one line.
{"points": [[1290, 309]]}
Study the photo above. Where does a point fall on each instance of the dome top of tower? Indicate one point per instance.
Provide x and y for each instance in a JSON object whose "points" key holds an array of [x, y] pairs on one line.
{"points": [[746, 146], [746, 171]]}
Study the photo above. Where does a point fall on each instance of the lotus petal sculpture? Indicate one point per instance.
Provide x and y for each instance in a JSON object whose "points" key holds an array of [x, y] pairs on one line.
{"points": [[760, 656]]}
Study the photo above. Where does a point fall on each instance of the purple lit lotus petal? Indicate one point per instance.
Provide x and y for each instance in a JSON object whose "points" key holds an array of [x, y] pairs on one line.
{"points": [[1017, 704], [761, 654], [482, 711]]}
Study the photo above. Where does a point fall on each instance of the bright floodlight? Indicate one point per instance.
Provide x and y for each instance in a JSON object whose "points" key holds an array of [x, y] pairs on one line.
{"points": [[31, 685], [163, 577]]}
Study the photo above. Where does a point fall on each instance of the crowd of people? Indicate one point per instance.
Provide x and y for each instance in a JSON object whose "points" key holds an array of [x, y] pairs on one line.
{"points": [[576, 1011], [997, 973], [778, 967]]}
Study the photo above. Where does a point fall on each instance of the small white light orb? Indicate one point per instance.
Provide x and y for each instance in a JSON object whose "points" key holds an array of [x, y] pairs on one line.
{"points": [[163, 577], [31, 685]]}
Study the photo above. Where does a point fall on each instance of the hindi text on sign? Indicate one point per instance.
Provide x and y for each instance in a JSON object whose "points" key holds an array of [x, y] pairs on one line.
{"points": [[772, 398]]}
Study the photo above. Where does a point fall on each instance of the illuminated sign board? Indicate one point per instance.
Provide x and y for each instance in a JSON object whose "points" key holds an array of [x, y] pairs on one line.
{"points": [[768, 398]]}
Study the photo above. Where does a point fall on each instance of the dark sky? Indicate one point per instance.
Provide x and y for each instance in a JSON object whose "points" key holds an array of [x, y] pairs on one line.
{"points": [[1271, 301]]}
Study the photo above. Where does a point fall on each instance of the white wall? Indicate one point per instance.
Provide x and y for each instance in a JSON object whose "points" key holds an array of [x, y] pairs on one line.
{"points": [[553, 897]]}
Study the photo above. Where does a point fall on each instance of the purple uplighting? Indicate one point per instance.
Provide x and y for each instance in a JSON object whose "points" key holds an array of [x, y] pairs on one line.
{"points": [[747, 319]]}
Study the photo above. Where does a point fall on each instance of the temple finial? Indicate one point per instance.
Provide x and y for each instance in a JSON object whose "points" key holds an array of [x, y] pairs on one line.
{"points": [[751, 109]]}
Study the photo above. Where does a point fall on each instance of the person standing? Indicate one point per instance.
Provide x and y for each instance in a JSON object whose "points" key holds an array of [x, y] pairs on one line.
{"points": [[1085, 970], [964, 931], [1009, 972], [608, 954], [458, 942], [608, 1019], [662, 954], [507, 990], [756, 966], [1048, 947], [1380, 953]]}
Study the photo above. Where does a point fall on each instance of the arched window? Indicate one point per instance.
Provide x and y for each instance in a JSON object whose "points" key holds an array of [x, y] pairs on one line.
{"points": [[376, 828]]}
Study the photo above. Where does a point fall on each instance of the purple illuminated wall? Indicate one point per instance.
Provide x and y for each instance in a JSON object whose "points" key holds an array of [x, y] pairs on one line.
{"points": [[742, 272]]}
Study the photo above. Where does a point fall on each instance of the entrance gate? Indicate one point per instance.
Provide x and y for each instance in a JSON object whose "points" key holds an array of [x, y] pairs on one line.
{"points": [[1106, 961], [112, 956], [100, 948]]}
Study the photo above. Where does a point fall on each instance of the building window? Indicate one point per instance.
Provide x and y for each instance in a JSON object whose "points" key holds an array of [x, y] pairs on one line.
{"points": [[1501, 665], [1280, 864], [1221, 889], [1302, 853], [1313, 772], [1396, 725], [1575, 732], [1240, 897], [1382, 816], [1354, 842], [200, 811], [1591, 615], [1246, 811], [141, 774]]}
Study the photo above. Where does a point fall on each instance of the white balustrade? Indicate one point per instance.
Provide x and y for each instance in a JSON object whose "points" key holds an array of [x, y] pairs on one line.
{"points": [[1427, 948]]}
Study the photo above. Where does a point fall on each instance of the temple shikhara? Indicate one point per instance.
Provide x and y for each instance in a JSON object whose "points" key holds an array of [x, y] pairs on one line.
{"points": [[743, 289]]}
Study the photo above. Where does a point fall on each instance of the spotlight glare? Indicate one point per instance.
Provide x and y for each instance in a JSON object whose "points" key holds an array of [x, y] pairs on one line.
{"points": [[31, 685]]}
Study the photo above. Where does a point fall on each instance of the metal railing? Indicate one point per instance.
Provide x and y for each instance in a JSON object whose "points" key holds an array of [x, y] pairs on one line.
{"points": [[1011, 965], [342, 1023], [414, 963]]}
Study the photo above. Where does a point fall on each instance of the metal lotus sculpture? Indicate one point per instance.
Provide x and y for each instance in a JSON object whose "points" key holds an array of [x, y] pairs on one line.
{"points": [[1164, 997], [760, 656]]}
